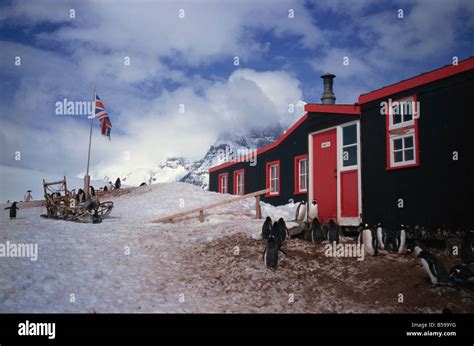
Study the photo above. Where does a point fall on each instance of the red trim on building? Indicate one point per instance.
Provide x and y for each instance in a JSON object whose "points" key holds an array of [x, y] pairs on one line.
{"points": [[267, 183], [389, 166], [264, 149], [414, 82], [336, 109], [219, 186], [297, 160], [235, 181]]}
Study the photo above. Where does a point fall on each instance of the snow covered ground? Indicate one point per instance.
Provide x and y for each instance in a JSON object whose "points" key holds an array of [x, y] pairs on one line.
{"points": [[127, 264]]}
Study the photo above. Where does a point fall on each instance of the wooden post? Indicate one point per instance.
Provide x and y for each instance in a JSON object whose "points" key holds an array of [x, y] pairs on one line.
{"points": [[201, 215], [258, 210]]}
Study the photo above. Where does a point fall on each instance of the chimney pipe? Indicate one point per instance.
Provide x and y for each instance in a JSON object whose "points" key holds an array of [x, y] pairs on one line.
{"points": [[328, 97]]}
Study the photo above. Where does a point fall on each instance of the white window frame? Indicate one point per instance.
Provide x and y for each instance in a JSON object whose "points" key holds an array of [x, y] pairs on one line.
{"points": [[403, 123], [342, 146], [409, 133], [275, 179], [240, 183], [303, 173], [224, 178]]}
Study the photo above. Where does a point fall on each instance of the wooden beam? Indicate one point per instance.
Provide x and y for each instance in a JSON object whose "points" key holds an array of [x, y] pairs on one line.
{"points": [[53, 182], [170, 218], [258, 210]]}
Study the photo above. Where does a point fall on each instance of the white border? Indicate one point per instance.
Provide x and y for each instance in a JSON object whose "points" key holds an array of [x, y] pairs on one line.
{"points": [[343, 221]]}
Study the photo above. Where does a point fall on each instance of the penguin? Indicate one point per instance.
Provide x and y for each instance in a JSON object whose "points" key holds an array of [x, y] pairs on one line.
{"points": [[368, 237], [381, 236], [333, 233], [317, 233], [80, 196], [360, 228], [13, 208], [110, 186], [105, 188], [401, 237], [270, 254], [118, 183], [28, 196], [461, 274], [92, 190], [267, 228], [312, 210], [301, 211], [434, 268], [275, 232], [283, 229]]}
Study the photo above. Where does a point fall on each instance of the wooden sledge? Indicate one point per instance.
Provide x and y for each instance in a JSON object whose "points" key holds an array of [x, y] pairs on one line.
{"points": [[200, 210]]}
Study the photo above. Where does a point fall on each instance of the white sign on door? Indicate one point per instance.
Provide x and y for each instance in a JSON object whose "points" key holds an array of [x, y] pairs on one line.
{"points": [[325, 144]]}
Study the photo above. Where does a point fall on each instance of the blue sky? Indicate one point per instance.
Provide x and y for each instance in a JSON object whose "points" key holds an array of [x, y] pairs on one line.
{"points": [[190, 61]]}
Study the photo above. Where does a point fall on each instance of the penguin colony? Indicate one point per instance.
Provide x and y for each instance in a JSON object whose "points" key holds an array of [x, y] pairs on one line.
{"points": [[373, 239]]}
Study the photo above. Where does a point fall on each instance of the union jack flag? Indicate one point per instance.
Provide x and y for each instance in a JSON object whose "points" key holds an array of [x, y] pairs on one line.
{"points": [[101, 114]]}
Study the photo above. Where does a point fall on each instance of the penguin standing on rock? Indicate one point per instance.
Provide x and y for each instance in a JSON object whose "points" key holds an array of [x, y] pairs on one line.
{"points": [[301, 211], [13, 208], [312, 210], [267, 228], [333, 233]]}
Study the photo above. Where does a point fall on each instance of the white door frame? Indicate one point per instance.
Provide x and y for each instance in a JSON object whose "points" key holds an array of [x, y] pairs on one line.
{"points": [[343, 221]]}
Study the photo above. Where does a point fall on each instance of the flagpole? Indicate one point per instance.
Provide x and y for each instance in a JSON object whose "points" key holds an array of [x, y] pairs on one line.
{"points": [[87, 177]]}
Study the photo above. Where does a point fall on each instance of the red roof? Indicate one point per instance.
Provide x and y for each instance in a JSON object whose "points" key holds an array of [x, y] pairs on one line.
{"points": [[337, 109], [424, 78]]}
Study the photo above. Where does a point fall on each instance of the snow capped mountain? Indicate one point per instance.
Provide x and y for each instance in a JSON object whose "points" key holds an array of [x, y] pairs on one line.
{"points": [[228, 147]]}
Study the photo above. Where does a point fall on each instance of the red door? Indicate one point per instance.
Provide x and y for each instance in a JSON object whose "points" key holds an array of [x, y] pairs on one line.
{"points": [[325, 174]]}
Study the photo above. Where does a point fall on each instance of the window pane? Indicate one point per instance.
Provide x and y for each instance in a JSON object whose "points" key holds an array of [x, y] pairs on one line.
{"points": [[349, 156], [398, 156], [397, 144], [408, 142], [397, 119], [407, 117], [349, 134], [409, 155], [303, 166], [407, 110]]}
